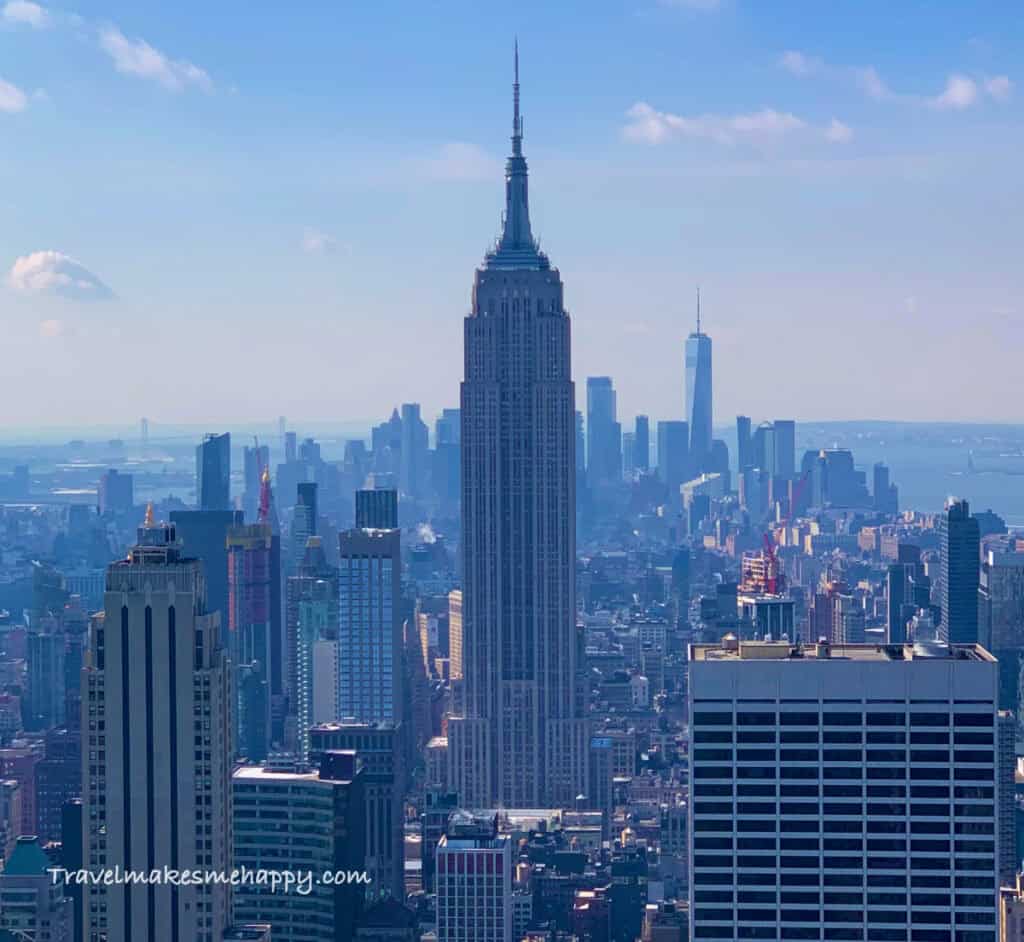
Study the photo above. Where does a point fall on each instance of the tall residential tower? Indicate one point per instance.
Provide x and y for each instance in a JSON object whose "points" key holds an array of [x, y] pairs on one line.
{"points": [[960, 565], [520, 739]]}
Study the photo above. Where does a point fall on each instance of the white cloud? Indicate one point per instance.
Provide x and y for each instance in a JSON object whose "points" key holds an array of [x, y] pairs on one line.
{"points": [[51, 328], [999, 87], [871, 83], [651, 126], [54, 273], [838, 133], [960, 92], [137, 57], [26, 12], [460, 162], [12, 98], [315, 242], [799, 64]]}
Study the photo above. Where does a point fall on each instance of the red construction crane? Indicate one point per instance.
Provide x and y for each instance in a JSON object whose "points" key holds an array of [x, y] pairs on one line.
{"points": [[264, 510]]}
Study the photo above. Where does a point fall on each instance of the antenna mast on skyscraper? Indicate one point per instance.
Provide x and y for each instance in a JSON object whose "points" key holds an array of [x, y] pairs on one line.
{"points": [[517, 121], [698, 310]]}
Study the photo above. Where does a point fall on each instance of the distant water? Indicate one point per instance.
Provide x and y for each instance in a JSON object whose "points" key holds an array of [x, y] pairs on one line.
{"points": [[930, 462]]}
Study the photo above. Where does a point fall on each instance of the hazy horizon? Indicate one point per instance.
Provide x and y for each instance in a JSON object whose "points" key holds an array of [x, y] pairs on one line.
{"points": [[48, 434]]}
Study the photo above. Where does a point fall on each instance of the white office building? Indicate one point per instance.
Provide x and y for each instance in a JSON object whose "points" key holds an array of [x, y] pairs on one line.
{"points": [[844, 792]]}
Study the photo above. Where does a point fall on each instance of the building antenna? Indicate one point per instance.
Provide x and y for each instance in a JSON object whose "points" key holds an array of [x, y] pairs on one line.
{"points": [[698, 310], [517, 121]]}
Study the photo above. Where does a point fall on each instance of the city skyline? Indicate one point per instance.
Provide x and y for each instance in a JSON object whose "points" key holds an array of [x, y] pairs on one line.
{"points": [[458, 643], [786, 167]]}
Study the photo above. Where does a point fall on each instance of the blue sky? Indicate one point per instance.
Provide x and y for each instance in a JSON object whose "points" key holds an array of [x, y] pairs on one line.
{"points": [[226, 212]]}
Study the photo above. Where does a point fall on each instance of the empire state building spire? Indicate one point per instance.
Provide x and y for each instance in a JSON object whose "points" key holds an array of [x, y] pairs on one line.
{"points": [[516, 248], [517, 121]]}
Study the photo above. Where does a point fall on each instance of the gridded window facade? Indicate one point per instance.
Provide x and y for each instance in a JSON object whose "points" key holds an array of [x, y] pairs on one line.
{"points": [[871, 819], [369, 627], [474, 891]]}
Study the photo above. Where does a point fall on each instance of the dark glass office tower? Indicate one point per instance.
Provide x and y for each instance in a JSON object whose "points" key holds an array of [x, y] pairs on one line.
{"points": [[642, 443], [521, 739], [604, 434], [785, 449], [744, 446], [377, 509], [674, 459], [213, 472], [304, 520], [204, 535], [960, 564]]}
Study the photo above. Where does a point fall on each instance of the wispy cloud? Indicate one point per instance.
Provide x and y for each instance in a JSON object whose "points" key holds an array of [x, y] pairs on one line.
{"points": [[54, 273], [800, 64], [838, 133], [652, 127], [999, 87], [315, 242], [870, 82], [12, 98], [960, 92], [137, 57], [26, 13]]}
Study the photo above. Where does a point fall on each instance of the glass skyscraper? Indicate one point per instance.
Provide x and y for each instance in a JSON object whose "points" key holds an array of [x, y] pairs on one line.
{"points": [[698, 397], [370, 627], [959, 573], [213, 473]]}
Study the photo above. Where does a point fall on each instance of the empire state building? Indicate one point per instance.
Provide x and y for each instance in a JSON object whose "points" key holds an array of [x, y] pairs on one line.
{"points": [[520, 738]]}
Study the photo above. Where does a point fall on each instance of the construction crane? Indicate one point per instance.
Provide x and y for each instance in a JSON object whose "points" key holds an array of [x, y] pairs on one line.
{"points": [[264, 473]]}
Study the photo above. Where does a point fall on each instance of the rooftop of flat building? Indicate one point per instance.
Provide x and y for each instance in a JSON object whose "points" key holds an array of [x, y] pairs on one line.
{"points": [[731, 649], [259, 773], [352, 724], [278, 772]]}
